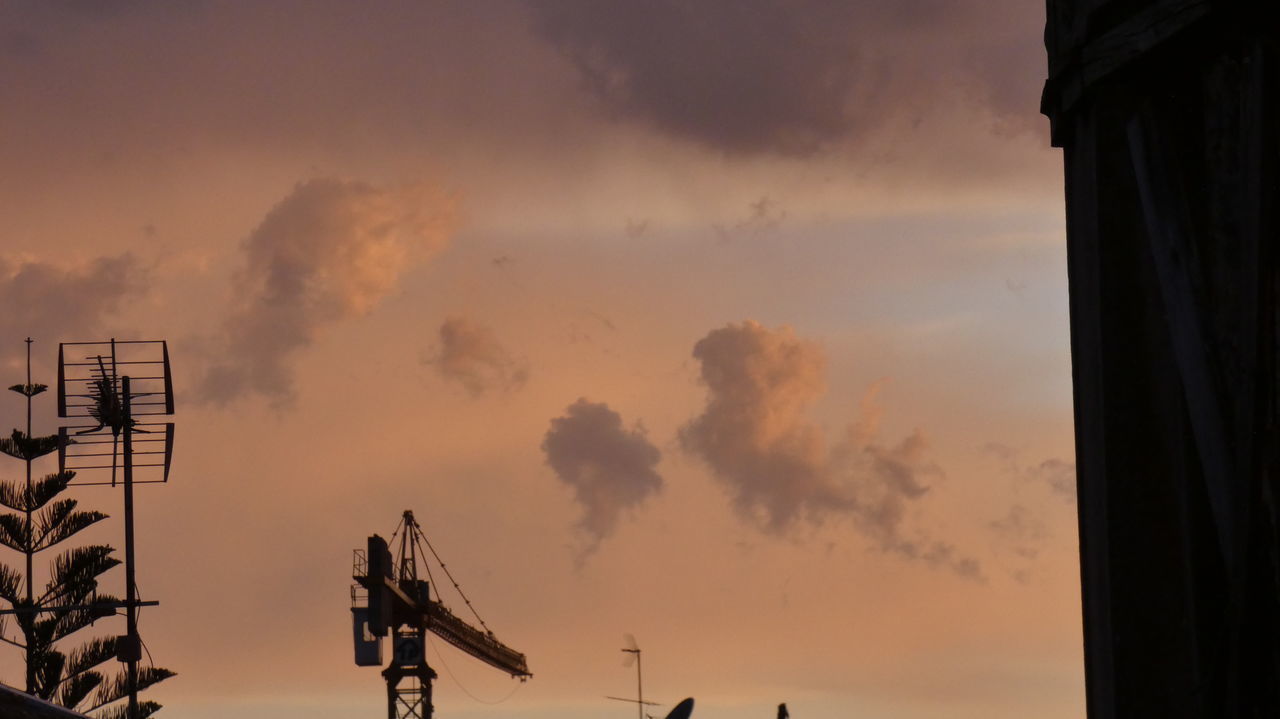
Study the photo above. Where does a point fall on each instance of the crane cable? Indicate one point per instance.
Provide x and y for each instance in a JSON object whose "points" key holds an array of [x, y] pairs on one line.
{"points": [[419, 534]]}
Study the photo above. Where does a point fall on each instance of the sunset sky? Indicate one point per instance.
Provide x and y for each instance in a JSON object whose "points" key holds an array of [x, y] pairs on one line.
{"points": [[737, 326]]}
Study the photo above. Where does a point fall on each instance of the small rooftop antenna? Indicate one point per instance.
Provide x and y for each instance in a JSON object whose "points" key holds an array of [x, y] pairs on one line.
{"points": [[91, 389], [632, 651]]}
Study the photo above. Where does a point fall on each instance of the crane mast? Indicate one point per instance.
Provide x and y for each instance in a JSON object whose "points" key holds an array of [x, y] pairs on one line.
{"points": [[388, 599]]}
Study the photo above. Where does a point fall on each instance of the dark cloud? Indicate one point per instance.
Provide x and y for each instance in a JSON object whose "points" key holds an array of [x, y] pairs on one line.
{"points": [[1058, 475], [758, 441], [471, 355], [609, 468], [86, 79], [328, 252], [795, 76], [1022, 530], [763, 217], [56, 303]]}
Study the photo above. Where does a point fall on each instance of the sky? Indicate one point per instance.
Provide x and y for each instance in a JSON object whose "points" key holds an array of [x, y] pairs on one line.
{"points": [[740, 327]]}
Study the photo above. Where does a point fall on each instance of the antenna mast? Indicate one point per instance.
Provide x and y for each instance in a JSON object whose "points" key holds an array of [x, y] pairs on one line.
{"points": [[90, 387]]}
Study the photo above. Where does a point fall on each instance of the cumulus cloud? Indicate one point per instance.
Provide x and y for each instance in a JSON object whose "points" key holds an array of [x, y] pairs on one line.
{"points": [[471, 355], [609, 467], [755, 436], [794, 76], [60, 303], [328, 252]]}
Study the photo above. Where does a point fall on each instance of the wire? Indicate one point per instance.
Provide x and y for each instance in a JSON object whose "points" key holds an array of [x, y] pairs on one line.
{"points": [[455, 582], [431, 580], [394, 533], [440, 656], [137, 625]]}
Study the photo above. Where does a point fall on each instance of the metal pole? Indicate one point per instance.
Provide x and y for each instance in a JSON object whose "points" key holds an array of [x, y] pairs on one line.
{"points": [[131, 599], [639, 687]]}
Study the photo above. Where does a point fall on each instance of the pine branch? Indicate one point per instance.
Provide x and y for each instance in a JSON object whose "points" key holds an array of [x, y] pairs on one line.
{"points": [[74, 573], [76, 688], [14, 532], [89, 655], [79, 677], [48, 670], [118, 687], [29, 390], [145, 709], [10, 584], [62, 623], [20, 446], [59, 521], [15, 496]]}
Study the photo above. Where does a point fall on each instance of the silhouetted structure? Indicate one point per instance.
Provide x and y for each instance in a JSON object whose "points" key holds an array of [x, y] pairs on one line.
{"points": [[388, 598], [115, 387], [632, 650], [1167, 115], [41, 520], [18, 705]]}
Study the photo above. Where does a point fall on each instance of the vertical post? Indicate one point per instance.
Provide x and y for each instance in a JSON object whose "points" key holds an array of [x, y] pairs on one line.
{"points": [[639, 687], [392, 695], [131, 599], [31, 668]]}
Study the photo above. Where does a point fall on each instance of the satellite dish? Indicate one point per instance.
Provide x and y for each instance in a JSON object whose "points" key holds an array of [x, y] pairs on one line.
{"points": [[682, 710]]}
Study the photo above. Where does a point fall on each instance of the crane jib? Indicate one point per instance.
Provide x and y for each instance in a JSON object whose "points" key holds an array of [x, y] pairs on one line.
{"points": [[444, 624]]}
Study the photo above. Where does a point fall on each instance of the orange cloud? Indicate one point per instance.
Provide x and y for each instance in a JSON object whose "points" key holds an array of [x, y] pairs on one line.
{"points": [[758, 441], [328, 252]]}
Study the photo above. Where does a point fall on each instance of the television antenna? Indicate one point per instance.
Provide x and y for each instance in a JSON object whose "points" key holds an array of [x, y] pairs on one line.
{"points": [[113, 407], [632, 651]]}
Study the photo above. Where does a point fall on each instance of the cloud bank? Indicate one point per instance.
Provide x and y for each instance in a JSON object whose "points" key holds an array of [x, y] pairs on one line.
{"points": [[796, 76], [610, 468], [471, 355], [756, 438], [328, 252]]}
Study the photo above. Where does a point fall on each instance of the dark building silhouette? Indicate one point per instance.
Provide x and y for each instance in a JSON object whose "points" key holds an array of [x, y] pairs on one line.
{"points": [[1166, 111], [15, 704]]}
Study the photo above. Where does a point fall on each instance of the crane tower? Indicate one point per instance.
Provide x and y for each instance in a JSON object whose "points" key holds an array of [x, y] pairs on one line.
{"points": [[388, 599]]}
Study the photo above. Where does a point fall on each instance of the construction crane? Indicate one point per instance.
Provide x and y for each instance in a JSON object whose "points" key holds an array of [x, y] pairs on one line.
{"points": [[388, 598]]}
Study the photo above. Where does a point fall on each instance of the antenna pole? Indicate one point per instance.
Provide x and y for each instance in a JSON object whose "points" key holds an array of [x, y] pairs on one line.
{"points": [[132, 644], [639, 687]]}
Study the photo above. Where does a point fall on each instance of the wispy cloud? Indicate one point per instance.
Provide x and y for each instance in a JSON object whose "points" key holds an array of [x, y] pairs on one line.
{"points": [[471, 355]]}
